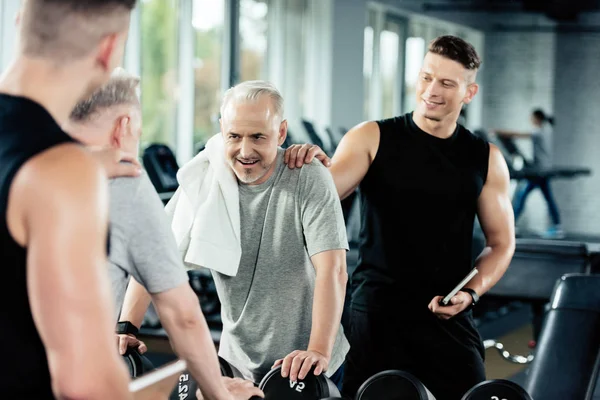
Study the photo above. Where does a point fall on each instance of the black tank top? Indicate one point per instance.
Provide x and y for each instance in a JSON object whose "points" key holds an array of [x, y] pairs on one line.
{"points": [[26, 129], [419, 200]]}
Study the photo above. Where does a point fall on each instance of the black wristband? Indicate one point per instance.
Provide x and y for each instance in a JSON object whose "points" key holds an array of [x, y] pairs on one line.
{"points": [[474, 296], [126, 328]]}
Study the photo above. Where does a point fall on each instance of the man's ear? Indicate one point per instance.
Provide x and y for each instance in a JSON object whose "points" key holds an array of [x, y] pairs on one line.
{"points": [[106, 49], [119, 131], [472, 90], [282, 132]]}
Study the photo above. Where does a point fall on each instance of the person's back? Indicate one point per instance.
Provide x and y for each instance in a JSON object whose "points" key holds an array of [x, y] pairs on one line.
{"points": [[28, 375]]}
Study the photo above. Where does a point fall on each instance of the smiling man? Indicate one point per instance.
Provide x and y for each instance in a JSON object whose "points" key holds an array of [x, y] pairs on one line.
{"points": [[423, 178], [283, 304]]}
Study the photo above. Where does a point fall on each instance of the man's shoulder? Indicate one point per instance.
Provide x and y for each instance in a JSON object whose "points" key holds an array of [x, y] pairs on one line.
{"points": [[136, 190], [314, 170], [62, 166], [131, 183]]}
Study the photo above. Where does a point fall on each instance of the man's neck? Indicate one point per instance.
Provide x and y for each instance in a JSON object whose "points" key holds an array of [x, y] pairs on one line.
{"points": [[54, 89], [442, 129]]}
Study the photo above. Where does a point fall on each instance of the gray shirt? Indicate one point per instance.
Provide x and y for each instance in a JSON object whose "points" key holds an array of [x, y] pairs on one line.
{"points": [[267, 307], [542, 146], [141, 241]]}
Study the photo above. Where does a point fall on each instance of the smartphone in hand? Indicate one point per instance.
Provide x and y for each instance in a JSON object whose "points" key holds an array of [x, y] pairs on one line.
{"points": [[446, 300]]}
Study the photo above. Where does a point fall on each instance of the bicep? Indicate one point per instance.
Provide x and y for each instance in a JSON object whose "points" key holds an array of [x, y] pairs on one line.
{"points": [[494, 208], [353, 157]]}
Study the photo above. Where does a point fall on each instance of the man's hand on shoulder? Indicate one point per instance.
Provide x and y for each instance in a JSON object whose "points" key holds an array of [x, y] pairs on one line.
{"points": [[299, 154], [116, 163]]}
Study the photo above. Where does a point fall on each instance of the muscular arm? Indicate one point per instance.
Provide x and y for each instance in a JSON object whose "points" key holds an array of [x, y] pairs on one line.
{"points": [[180, 314], [353, 157], [65, 236], [496, 217], [328, 303]]}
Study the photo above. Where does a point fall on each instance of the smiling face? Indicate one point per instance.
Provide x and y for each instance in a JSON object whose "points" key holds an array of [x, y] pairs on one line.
{"points": [[443, 87], [252, 132]]}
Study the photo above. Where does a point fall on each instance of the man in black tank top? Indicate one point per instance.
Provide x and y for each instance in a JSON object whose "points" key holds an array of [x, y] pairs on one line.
{"points": [[423, 178], [57, 330]]}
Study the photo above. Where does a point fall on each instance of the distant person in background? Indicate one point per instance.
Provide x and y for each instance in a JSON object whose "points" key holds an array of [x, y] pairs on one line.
{"points": [[541, 135]]}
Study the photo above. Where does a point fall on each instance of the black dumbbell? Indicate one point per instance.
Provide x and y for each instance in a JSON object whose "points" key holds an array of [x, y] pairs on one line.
{"points": [[186, 386], [137, 364], [275, 387], [185, 389], [497, 389], [393, 384]]}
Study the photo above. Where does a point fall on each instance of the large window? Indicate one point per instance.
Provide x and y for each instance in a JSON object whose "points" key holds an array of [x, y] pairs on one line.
{"points": [[382, 67], [253, 36], [415, 51], [208, 22], [368, 62], [159, 70], [389, 55]]}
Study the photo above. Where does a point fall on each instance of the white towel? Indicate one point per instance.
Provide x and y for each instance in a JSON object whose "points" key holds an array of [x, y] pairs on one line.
{"points": [[205, 211]]}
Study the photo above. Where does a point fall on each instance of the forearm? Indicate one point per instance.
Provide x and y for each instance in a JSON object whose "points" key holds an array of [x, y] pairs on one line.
{"points": [[190, 337], [492, 263], [328, 303], [136, 302]]}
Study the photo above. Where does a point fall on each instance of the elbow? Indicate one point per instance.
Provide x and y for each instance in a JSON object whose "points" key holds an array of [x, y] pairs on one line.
{"points": [[187, 315], [340, 273], [504, 245]]}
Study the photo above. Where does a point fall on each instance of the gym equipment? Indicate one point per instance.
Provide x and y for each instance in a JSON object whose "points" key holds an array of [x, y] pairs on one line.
{"points": [[511, 152], [567, 354], [542, 262], [275, 387], [393, 385], [203, 285], [515, 359], [314, 136], [186, 388], [497, 389], [137, 364], [161, 165], [158, 383]]}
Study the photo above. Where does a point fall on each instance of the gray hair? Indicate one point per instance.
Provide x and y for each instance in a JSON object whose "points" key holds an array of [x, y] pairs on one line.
{"points": [[121, 89], [250, 91]]}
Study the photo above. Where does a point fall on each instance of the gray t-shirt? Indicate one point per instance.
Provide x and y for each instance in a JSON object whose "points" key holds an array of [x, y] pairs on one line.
{"points": [[267, 307], [542, 146], [141, 241]]}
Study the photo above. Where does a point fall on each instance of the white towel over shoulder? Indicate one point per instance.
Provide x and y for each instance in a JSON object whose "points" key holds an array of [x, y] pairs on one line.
{"points": [[205, 211]]}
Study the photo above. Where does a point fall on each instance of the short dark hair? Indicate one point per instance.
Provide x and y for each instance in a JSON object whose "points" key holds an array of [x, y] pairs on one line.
{"points": [[456, 49], [68, 29], [542, 116]]}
